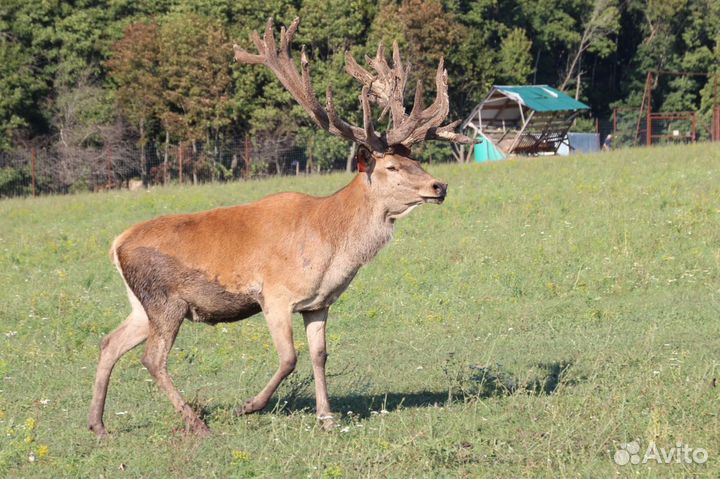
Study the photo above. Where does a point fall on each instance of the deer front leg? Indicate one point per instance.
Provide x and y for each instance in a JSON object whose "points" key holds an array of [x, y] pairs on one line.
{"points": [[315, 328], [279, 319]]}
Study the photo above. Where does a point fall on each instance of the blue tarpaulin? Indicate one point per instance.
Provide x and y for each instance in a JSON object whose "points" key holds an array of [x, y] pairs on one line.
{"points": [[486, 151]]}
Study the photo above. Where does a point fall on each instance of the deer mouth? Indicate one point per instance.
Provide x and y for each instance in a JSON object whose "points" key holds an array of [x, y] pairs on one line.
{"points": [[434, 199]]}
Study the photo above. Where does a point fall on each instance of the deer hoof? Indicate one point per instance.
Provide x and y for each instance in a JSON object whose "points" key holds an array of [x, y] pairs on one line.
{"points": [[198, 428], [248, 407], [327, 422], [99, 430]]}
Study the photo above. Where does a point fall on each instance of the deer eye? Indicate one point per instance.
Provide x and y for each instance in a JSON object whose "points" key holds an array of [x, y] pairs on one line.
{"points": [[391, 168]]}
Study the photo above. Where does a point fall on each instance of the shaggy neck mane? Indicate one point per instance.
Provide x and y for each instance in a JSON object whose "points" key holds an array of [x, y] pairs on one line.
{"points": [[358, 222]]}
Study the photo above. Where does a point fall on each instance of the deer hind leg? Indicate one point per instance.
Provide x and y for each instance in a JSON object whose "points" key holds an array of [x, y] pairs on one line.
{"points": [[279, 321], [129, 334], [163, 330]]}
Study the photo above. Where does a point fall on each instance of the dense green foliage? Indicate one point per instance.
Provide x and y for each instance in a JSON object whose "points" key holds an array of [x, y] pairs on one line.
{"points": [[566, 305], [164, 67]]}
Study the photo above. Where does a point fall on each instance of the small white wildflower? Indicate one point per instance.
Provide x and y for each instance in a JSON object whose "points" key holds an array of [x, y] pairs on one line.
{"points": [[374, 413], [345, 429], [31, 457], [44, 402], [10, 334], [384, 411], [419, 368], [349, 413]]}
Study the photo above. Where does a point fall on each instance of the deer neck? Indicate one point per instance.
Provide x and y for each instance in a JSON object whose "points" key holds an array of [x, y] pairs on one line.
{"points": [[363, 226]]}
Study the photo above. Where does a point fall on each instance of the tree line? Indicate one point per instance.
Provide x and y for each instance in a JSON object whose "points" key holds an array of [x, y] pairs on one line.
{"points": [[156, 78]]}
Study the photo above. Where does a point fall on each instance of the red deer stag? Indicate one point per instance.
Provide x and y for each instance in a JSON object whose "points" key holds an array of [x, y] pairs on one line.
{"points": [[288, 253]]}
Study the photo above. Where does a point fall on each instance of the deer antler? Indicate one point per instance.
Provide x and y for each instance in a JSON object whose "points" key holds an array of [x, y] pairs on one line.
{"points": [[280, 62], [386, 89]]}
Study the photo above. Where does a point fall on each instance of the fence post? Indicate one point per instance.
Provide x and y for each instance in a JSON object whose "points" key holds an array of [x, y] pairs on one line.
{"points": [[180, 162], [648, 120], [694, 127], [33, 161]]}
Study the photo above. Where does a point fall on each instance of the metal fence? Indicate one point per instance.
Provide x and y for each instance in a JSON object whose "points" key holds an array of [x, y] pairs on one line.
{"points": [[56, 169]]}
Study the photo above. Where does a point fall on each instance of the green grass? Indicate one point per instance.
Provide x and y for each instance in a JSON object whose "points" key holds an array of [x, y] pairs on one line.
{"points": [[566, 305]]}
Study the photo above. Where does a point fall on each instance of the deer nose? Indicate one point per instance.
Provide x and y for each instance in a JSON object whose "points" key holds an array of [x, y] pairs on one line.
{"points": [[440, 189]]}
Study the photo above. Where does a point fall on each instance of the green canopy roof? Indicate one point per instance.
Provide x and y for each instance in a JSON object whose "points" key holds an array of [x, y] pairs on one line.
{"points": [[542, 98]]}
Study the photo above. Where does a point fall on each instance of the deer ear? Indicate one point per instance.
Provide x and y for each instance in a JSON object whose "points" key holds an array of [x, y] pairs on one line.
{"points": [[365, 159]]}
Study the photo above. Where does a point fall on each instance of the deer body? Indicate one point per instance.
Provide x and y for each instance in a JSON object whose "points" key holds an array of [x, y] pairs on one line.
{"points": [[288, 253], [223, 262]]}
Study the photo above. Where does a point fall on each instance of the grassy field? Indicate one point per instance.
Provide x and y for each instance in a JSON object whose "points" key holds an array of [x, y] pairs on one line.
{"points": [[549, 311]]}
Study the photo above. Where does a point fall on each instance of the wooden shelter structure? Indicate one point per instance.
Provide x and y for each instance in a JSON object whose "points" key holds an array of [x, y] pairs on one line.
{"points": [[522, 119]]}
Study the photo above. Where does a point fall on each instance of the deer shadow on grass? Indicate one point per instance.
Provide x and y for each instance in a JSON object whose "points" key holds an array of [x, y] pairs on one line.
{"points": [[464, 384]]}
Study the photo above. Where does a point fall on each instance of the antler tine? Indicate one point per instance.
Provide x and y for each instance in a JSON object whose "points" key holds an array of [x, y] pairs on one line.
{"points": [[310, 97], [269, 39], [373, 140], [355, 70], [299, 85], [418, 102], [400, 75], [433, 116], [379, 63], [241, 56], [440, 107], [446, 133], [404, 129], [397, 63], [286, 37], [386, 89], [337, 126]]}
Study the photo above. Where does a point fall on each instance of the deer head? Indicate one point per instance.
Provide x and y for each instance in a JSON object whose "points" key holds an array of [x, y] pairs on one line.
{"points": [[385, 157]]}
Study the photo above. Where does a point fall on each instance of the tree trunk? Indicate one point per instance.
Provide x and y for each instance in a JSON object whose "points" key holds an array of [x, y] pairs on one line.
{"points": [[537, 61], [143, 163], [165, 159], [234, 165], [577, 86], [205, 150], [193, 162], [247, 169], [351, 157], [216, 151]]}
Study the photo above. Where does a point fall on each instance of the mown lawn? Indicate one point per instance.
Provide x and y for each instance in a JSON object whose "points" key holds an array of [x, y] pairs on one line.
{"points": [[549, 311]]}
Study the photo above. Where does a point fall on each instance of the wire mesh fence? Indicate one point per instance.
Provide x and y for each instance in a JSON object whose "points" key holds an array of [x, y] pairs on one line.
{"points": [[57, 169]]}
